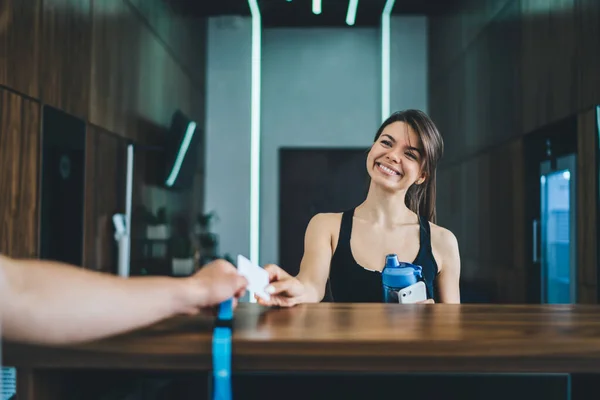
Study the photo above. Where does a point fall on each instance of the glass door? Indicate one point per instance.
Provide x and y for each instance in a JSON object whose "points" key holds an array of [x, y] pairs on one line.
{"points": [[557, 231]]}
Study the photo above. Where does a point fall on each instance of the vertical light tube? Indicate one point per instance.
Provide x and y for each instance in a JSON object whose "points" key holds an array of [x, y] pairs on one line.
{"points": [[351, 14], [255, 135], [316, 6], [128, 200], [385, 58]]}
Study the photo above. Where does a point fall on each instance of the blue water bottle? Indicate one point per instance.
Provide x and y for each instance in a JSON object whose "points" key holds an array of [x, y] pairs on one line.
{"points": [[398, 275]]}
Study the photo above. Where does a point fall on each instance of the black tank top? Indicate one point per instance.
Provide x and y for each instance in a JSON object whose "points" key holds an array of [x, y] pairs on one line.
{"points": [[351, 283]]}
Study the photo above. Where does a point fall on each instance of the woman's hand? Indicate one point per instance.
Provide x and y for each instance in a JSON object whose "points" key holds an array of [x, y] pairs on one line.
{"points": [[428, 301], [285, 290]]}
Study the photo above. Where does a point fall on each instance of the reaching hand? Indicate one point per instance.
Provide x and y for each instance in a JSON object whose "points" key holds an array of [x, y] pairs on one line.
{"points": [[285, 290], [212, 284], [428, 301]]}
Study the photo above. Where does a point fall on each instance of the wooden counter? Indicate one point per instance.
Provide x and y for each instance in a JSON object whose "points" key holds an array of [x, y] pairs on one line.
{"points": [[352, 338]]}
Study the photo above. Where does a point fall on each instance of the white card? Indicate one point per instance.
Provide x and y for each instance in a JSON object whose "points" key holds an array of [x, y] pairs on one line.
{"points": [[258, 278]]}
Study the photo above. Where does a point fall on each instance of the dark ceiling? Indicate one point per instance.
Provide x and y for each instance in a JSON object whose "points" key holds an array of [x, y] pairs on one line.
{"points": [[279, 13]]}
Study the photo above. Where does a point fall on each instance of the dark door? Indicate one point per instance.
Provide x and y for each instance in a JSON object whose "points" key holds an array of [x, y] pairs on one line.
{"points": [[63, 165], [313, 181]]}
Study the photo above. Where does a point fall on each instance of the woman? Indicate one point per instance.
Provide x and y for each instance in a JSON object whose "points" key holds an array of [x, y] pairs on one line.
{"points": [[397, 217]]}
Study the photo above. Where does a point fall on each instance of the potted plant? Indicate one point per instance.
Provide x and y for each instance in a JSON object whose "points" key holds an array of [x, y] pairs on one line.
{"points": [[182, 255], [203, 222], [207, 241], [157, 227]]}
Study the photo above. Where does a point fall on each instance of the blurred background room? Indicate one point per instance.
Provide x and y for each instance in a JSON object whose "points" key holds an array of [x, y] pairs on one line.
{"points": [[147, 137]]}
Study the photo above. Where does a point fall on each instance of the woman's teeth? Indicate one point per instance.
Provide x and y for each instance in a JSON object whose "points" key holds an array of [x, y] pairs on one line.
{"points": [[387, 170]]}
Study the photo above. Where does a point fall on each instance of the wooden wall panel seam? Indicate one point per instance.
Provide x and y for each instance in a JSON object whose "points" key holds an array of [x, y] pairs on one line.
{"points": [[19, 93]]}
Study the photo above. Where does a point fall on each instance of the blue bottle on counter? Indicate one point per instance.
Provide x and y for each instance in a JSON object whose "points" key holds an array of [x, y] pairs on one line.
{"points": [[398, 275]]}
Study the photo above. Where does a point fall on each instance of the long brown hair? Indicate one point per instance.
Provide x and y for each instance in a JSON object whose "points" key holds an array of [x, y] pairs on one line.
{"points": [[421, 198]]}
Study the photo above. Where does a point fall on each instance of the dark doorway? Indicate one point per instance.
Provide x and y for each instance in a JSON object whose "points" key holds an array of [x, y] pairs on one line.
{"points": [[313, 181], [63, 172]]}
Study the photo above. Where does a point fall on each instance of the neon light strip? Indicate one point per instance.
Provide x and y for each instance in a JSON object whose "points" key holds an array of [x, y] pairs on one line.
{"points": [[316, 6], [255, 136], [187, 139], [351, 15], [128, 207], [385, 59]]}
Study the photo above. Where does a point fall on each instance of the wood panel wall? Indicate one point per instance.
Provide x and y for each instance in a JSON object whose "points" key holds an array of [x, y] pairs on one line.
{"points": [[487, 220], [105, 160], [20, 29], [65, 48], [498, 70], [123, 99], [587, 203], [19, 188], [122, 66]]}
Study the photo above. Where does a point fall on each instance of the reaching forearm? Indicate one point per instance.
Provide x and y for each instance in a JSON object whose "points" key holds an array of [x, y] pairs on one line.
{"points": [[48, 302], [312, 294]]}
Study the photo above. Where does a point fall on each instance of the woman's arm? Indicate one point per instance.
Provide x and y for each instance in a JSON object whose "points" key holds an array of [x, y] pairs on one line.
{"points": [[309, 285], [316, 260], [53, 303], [448, 280]]}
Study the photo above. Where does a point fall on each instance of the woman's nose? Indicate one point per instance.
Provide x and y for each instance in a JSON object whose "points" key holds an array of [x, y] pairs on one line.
{"points": [[392, 156]]}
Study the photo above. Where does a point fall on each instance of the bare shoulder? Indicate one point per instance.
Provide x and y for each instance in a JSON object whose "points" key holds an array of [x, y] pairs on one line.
{"points": [[442, 237], [324, 226], [444, 245], [325, 220]]}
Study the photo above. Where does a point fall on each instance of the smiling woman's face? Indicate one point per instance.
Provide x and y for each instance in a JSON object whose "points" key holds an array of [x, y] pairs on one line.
{"points": [[395, 159]]}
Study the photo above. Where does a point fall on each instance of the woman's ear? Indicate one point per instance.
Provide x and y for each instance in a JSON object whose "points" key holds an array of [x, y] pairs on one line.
{"points": [[422, 179]]}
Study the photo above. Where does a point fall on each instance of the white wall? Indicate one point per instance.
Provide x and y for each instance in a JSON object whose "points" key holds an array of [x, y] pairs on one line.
{"points": [[321, 87], [228, 83]]}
